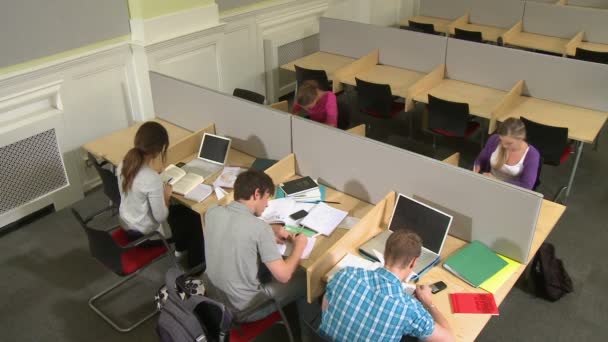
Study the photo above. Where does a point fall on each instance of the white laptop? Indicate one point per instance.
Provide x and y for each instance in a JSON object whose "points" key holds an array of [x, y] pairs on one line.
{"points": [[212, 155], [429, 223]]}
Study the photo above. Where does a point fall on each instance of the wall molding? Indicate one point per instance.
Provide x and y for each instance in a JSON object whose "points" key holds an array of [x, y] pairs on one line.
{"points": [[167, 27]]}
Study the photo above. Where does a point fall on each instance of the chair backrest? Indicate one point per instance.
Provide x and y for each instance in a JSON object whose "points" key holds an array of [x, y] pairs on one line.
{"points": [[108, 180], [591, 56], [550, 141], [101, 245], [448, 116], [303, 74], [343, 115], [374, 98], [249, 95], [423, 27], [473, 36]]}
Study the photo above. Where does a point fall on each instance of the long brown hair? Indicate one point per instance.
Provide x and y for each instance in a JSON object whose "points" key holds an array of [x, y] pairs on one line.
{"points": [[511, 127], [151, 140]]}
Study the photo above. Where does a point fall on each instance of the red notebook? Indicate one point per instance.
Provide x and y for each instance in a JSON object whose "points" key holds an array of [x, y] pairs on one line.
{"points": [[473, 303]]}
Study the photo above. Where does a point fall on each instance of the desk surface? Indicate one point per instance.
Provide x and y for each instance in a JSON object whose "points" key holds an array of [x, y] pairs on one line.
{"points": [[539, 42], [488, 33], [399, 79], [482, 100], [440, 24], [235, 158], [113, 147], [594, 46], [320, 61], [583, 124]]}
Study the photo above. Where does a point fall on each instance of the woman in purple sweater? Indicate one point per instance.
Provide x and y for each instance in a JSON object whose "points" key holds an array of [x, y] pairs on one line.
{"points": [[508, 157]]}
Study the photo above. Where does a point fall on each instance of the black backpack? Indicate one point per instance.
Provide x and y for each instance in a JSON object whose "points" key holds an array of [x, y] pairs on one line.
{"points": [[551, 281], [191, 319]]}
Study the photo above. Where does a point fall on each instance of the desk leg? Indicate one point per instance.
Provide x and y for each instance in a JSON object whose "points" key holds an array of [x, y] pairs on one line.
{"points": [[579, 151]]}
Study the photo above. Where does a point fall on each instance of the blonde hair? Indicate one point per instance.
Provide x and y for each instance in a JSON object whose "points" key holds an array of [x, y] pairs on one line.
{"points": [[514, 128]]}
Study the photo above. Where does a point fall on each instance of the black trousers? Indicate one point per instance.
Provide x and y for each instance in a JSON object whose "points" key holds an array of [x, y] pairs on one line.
{"points": [[187, 231]]}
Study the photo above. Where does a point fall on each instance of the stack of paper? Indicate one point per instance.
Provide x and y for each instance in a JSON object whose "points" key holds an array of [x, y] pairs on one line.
{"points": [[324, 219], [278, 211], [286, 248], [227, 177], [199, 193], [474, 263]]}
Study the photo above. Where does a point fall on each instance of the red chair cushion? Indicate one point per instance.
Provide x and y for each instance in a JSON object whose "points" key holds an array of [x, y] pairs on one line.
{"points": [[396, 108], [471, 128], [136, 257], [249, 331], [565, 154]]}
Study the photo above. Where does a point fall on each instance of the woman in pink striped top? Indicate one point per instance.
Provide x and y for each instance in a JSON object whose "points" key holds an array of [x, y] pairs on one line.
{"points": [[320, 105]]}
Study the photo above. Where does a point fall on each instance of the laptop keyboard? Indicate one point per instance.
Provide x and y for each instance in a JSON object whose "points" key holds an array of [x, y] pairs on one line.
{"points": [[426, 258]]}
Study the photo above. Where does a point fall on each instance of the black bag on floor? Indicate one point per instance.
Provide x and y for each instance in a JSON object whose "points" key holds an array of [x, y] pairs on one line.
{"points": [[550, 278]]}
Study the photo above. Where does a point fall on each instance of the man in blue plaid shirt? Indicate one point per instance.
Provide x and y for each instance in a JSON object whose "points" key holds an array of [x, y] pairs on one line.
{"points": [[362, 305]]}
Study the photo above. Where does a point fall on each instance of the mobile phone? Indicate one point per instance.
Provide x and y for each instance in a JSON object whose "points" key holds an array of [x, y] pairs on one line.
{"points": [[298, 215], [438, 286], [180, 164]]}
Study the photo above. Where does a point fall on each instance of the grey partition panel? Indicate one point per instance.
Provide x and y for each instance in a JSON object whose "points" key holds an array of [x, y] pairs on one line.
{"points": [[497, 13], [566, 21], [255, 129], [500, 215], [31, 29], [558, 79], [224, 5], [400, 48], [449, 9], [589, 3]]}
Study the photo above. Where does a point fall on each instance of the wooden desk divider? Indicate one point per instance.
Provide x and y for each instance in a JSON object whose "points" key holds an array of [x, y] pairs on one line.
{"points": [[508, 102], [460, 21], [358, 130], [573, 44], [454, 159], [426, 83], [364, 63], [282, 106], [369, 226], [513, 31]]}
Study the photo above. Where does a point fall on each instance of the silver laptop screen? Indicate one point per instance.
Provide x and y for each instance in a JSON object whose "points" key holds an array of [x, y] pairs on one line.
{"points": [[214, 148], [430, 224]]}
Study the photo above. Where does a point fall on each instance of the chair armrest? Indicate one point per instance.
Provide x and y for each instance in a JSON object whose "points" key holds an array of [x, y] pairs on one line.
{"points": [[97, 213]]}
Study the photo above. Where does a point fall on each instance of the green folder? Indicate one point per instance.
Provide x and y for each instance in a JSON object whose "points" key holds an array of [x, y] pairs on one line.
{"points": [[474, 263]]}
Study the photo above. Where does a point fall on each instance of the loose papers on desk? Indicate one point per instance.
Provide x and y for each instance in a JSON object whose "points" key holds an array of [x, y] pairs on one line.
{"points": [[228, 176], [278, 211], [324, 219], [199, 193], [287, 248]]}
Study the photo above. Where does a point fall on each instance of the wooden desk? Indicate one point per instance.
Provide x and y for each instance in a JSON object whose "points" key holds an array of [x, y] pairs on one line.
{"points": [[440, 24], [482, 100], [538, 42], [488, 33], [320, 61], [399, 79], [583, 124], [113, 147], [465, 327]]}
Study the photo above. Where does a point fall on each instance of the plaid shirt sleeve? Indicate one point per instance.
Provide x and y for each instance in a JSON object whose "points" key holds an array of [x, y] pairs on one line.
{"points": [[421, 323]]}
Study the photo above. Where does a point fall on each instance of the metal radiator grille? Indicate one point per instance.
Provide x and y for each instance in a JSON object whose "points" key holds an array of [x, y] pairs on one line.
{"points": [[29, 169], [292, 51]]}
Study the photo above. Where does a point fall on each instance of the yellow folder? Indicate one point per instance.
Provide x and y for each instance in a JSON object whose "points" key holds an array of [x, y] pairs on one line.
{"points": [[497, 280]]}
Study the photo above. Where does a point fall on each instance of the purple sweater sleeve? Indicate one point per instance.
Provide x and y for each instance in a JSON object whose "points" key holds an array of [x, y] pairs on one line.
{"points": [[528, 176]]}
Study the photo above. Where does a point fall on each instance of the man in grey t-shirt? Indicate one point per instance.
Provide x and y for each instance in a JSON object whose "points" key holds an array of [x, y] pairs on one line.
{"points": [[237, 242]]}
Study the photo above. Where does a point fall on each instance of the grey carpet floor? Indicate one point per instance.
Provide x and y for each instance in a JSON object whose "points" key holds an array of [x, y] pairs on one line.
{"points": [[47, 274]]}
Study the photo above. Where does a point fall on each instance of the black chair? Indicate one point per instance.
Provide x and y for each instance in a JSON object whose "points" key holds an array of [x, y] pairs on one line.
{"points": [[249, 95], [313, 328], [551, 142], [451, 119], [472, 36], [377, 102], [421, 27], [303, 74], [125, 258], [591, 56], [109, 183]]}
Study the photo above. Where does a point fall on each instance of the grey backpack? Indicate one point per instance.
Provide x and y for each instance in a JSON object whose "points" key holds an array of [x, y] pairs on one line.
{"points": [[193, 318]]}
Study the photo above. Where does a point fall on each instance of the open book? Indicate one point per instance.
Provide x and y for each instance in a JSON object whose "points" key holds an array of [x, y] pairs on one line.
{"points": [[181, 181]]}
